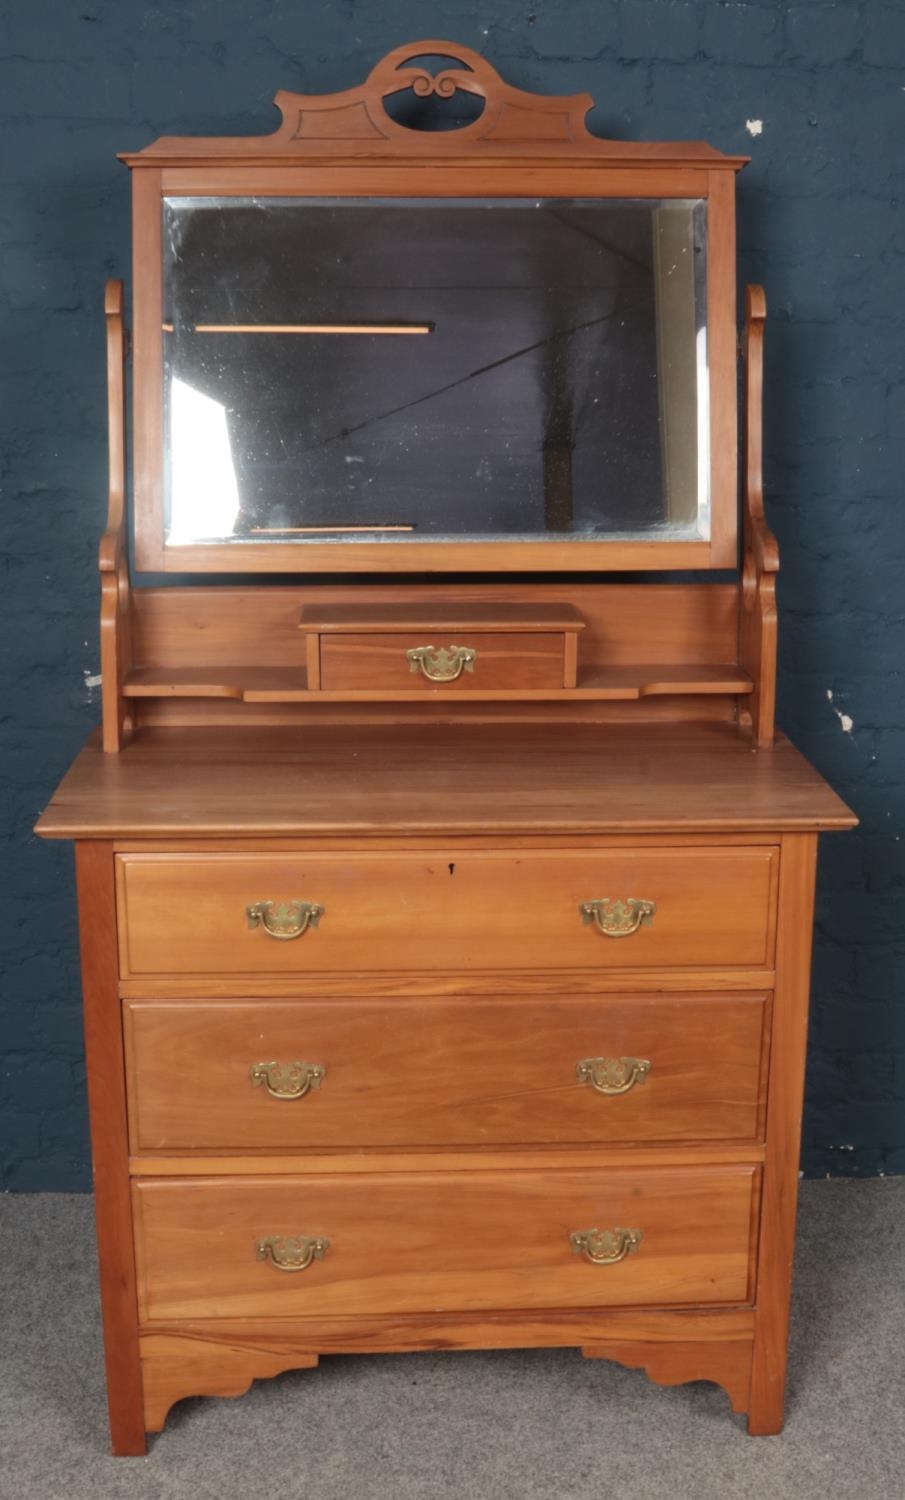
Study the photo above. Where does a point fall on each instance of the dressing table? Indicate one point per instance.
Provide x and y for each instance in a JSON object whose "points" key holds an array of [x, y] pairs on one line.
{"points": [[445, 891]]}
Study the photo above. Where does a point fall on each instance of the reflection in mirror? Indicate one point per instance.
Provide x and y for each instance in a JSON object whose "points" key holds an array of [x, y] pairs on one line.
{"points": [[428, 368]]}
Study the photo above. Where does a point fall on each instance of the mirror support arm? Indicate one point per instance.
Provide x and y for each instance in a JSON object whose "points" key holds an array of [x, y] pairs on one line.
{"points": [[760, 552], [116, 654]]}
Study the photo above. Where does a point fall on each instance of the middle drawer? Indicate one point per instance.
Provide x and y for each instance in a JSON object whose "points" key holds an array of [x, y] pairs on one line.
{"points": [[240, 1075]]}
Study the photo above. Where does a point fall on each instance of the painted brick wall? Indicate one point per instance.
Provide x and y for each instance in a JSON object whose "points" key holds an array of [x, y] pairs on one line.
{"points": [[820, 225]]}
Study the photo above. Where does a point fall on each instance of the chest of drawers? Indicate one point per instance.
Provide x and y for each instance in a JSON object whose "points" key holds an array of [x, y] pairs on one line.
{"points": [[485, 1085]]}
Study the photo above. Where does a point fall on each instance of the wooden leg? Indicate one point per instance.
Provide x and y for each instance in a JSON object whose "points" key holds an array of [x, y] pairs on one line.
{"points": [[785, 1097], [109, 1144]]}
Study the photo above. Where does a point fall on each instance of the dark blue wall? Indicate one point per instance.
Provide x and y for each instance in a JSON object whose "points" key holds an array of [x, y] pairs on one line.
{"points": [[820, 225]]}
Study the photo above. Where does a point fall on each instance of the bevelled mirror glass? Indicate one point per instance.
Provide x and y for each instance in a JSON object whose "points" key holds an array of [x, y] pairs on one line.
{"points": [[407, 369]]}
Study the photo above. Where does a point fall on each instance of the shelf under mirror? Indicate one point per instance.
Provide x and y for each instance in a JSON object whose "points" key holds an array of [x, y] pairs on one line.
{"points": [[290, 684]]}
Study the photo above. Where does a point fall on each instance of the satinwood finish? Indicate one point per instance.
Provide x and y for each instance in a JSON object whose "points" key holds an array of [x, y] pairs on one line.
{"points": [[357, 648], [416, 779], [484, 614], [348, 145], [109, 1144], [379, 660], [786, 1086], [760, 561], [417, 1242], [116, 604], [489, 910], [462, 1072], [669, 649], [541, 933]]}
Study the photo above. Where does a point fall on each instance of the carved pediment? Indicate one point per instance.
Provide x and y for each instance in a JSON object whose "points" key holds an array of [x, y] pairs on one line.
{"points": [[356, 123]]}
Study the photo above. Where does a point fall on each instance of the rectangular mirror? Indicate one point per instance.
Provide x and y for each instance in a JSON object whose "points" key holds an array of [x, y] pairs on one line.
{"points": [[426, 369]]}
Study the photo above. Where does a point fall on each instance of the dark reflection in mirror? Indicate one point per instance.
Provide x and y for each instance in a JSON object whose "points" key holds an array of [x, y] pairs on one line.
{"points": [[405, 369]]}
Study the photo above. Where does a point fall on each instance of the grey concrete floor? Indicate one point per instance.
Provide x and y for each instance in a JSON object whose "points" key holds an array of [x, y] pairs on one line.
{"points": [[515, 1425]]}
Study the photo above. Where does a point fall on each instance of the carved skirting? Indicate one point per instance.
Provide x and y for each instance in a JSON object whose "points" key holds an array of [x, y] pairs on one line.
{"points": [[216, 1361], [725, 1363], [175, 1365]]}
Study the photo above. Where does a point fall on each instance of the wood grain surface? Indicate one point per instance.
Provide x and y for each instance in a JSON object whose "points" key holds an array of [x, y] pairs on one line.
{"points": [[450, 1073], [187, 914], [446, 1241], [109, 1145], [502, 660], [412, 779]]}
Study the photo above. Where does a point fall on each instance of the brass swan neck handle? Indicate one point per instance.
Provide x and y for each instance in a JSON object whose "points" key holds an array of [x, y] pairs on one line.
{"points": [[284, 920], [294, 1252], [616, 918], [441, 663], [292, 1080], [605, 1247], [612, 1075]]}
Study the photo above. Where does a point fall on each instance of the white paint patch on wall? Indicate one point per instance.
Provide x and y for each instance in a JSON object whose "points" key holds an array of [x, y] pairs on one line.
{"points": [[754, 127], [847, 723]]}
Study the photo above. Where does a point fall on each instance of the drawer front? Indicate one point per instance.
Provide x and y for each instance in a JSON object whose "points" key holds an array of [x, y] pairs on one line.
{"points": [[429, 1242], [288, 1075], [372, 662], [692, 907]]}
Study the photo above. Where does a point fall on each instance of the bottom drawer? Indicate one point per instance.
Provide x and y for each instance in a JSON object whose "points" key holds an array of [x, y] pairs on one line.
{"points": [[437, 1242]]}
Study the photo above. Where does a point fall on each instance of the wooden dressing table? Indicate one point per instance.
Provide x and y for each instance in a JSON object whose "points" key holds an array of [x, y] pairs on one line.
{"points": [[446, 913]]}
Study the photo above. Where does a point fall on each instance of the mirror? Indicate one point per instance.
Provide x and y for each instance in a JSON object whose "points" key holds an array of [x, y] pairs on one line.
{"points": [[407, 369]]}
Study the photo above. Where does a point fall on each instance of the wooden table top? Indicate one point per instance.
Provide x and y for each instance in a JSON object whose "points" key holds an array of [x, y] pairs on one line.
{"points": [[279, 782]]}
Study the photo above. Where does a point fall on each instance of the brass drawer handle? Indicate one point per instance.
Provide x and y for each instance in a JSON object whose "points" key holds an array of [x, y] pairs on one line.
{"points": [[441, 663], [618, 918], [284, 919], [287, 1080], [291, 1252], [605, 1247], [612, 1075]]}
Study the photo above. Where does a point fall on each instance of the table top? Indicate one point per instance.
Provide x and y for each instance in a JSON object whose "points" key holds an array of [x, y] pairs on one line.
{"points": [[425, 779]]}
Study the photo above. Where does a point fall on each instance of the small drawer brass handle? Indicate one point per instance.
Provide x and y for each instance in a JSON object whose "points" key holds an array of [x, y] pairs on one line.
{"points": [[284, 919], [291, 1252], [612, 1075], [618, 918], [441, 663], [287, 1080], [605, 1247]]}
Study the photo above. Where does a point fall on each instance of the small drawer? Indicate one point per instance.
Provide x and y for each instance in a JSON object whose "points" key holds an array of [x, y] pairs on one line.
{"points": [[469, 662], [449, 1241], [266, 1075], [439, 646], [544, 909]]}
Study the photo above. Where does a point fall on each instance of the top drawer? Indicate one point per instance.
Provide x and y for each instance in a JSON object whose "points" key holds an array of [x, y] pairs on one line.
{"points": [[546, 909]]}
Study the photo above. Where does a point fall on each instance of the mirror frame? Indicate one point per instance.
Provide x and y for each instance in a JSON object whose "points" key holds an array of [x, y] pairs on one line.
{"points": [[346, 145]]}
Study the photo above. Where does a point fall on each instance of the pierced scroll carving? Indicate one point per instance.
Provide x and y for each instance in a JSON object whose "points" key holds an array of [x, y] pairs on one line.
{"points": [[355, 123], [509, 114]]}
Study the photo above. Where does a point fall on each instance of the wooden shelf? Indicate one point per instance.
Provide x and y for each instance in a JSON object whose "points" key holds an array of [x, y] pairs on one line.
{"points": [[290, 685], [654, 680], [278, 683]]}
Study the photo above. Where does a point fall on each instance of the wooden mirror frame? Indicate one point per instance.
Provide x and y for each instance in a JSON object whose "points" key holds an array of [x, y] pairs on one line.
{"points": [[346, 145]]}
